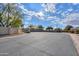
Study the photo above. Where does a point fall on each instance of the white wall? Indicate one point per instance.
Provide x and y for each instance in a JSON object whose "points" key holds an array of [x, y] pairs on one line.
{"points": [[6, 30], [3, 30]]}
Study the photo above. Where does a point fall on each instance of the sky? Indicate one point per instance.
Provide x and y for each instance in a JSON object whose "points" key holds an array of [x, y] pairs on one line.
{"points": [[50, 14]]}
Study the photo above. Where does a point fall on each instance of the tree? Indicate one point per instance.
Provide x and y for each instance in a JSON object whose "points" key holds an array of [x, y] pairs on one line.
{"points": [[40, 27], [31, 26], [68, 27], [16, 23], [58, 30], [2, 9], [49, 28], [10, 14], [76, 30], [1, 23]]}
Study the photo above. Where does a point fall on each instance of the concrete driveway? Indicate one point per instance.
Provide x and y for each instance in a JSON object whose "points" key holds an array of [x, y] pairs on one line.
{"points": [[38, 44]]}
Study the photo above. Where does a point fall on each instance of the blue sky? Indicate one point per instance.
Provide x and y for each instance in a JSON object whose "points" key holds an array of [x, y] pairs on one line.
{"points": [[50, 14]]}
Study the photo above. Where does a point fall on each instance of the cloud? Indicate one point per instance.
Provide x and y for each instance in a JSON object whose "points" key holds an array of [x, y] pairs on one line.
{"points": [[72, 19], [53, 17], [26, 11], [26, 24], [29, 14], [49, 7], [28, 17], [22, 7], [55, 20], [40, 15], [70, 9], [67, 12], [75, 3], [69, 18], [59, 12]]}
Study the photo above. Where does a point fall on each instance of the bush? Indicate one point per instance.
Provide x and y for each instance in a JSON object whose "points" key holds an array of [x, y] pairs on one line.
{"points": [[68, 28], [77, 31], [71, 31], [49, 28], [58, 30]]}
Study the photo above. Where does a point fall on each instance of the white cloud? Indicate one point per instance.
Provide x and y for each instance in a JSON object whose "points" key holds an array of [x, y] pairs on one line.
{"points": [[70, 9], [22, 7], [26, 11], [75, 3], [60, 11], [26, 24], [67, 12], [40, 13], [30, 14], [53, 17], [55, 20], [72, 19], [28, 17], [49, 7]]}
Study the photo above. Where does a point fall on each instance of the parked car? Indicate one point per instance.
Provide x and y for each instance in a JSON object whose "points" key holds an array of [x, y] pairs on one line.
{"points": [[27, 30]]}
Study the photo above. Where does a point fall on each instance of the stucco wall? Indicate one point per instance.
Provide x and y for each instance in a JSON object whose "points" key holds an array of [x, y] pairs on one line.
{"points": [[5, 30]]}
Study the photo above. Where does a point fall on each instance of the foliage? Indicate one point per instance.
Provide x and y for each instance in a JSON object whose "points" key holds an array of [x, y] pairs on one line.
{"points": [[77, 30], [58, 30], [16, 23], [10, 14], [40, 27], [49, 28], [67, 28], [32, 27]]}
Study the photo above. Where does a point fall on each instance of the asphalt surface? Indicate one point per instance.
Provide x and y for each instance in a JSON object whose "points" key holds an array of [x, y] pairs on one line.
{"points": [[38, 44]]}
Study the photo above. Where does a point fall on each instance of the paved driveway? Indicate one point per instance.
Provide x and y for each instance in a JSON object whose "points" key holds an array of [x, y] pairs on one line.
{"points": [[38, 44]]}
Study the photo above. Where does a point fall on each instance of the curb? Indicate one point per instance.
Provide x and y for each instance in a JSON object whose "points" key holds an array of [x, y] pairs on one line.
{"points": [[75, 40]]}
